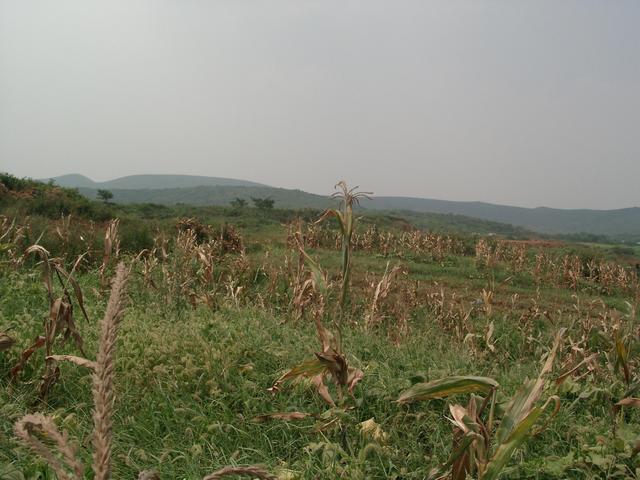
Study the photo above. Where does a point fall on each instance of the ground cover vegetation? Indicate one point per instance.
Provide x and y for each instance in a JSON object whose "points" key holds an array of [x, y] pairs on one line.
{"points": [[142, 342]]}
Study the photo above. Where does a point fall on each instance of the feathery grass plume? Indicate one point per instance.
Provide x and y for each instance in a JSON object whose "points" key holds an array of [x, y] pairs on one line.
{"points": [[254, 472], [65, 464], [103, 393]]}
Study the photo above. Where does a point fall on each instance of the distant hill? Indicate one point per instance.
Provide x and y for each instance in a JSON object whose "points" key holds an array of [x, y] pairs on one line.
{"points": [[149, 182], [216, 195], [541, 219], [193, 190], [24, 197]]}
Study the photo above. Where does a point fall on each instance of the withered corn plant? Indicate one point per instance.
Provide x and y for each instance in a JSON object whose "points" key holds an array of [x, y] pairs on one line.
{"points": [[60, 323], [346, 220], [330, 361], [480, 450], [393, 300], [622, 363], [304, 283], [197, 266], [11, 238]]}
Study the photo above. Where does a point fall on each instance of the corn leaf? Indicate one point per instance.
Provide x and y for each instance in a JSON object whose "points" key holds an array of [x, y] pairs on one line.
{"points": [[310, 368], [621, 359], [517, 436], [336, 364], [524, 400], [446, 387], [442, 471]]}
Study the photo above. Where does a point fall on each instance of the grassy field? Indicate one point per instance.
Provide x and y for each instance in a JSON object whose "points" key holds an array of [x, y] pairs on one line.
{"points": [[216, 313]]}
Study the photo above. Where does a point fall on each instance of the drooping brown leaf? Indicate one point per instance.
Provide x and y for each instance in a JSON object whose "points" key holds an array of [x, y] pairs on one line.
{"points": [[74, 284], [61, 321], [82, 362], [49, 378], [6, 342], [382, 290], [589, 361], [46, 267], [308, 369], [465, 428], [72, 331], [253, 472], [336, 364], [355, 375], [58, 315], [287, 416], [26, 354], [323, 391], [627, 402], [488, 338]]}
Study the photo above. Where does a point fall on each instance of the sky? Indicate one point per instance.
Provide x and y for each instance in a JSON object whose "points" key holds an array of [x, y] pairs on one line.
{"points": [[528, 103]]}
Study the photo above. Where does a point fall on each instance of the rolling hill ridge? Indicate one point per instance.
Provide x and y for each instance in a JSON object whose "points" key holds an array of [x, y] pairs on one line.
{"points": [[194, 190], [153, 181]]}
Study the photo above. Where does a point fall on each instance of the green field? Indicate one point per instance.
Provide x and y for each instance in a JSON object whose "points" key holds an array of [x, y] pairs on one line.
{"points": [[223, 304]]}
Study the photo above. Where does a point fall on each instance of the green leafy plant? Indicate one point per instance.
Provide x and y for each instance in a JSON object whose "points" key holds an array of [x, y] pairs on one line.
{"points": [[478, 450]]}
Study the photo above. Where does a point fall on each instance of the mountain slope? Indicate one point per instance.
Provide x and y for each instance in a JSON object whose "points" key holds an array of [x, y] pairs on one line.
{"points": [[150, 182], [172, 189], [216, 195], [541, 219]]}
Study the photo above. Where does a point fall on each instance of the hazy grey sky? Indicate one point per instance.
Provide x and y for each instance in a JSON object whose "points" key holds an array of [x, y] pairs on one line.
{"points": [[520, 102]]}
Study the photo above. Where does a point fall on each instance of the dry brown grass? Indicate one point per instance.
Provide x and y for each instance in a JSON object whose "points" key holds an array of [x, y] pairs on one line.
{"points": [[60, 323], [61, 456], [254, 472]]}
